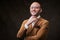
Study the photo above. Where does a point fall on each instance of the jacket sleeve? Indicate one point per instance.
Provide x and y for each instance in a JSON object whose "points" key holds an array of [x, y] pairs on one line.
{"points": [[21, 30], [42, 30]]}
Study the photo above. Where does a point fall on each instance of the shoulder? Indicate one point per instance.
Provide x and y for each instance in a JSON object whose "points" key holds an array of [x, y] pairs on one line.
{"points": [[24, 21], [43, 21]]}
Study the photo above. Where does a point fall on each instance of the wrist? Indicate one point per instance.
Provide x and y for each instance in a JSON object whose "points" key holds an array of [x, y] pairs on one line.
{"points": [[26, 26]]}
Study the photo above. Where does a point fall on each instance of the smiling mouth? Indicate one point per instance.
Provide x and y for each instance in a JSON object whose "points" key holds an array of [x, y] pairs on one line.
{"points": [[33, 12]]}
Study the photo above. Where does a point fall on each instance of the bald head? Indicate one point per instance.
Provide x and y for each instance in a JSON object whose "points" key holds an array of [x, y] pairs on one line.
{"points": [[35, 4]]}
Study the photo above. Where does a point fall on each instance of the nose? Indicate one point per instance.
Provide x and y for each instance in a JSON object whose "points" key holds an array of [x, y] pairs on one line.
{"points": [[33, 9]]}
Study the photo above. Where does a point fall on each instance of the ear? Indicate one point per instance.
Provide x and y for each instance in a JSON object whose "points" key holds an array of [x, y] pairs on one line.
{"points": [[40, 10]]}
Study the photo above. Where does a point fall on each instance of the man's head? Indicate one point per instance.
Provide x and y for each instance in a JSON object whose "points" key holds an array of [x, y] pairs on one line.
{"points": [[35, 9]]}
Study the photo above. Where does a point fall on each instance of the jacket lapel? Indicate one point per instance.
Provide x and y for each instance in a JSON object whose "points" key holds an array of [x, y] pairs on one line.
{"points": [[29, 29]]}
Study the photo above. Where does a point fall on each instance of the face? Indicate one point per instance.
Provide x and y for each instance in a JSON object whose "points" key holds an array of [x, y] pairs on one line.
{"points": [[35, 9]]}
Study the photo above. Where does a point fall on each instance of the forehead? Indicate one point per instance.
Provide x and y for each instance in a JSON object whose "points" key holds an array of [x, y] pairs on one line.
{"points": [[35, 4]]}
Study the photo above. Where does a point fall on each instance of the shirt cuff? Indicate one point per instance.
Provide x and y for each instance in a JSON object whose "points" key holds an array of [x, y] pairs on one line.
{"points": [[26, 26]]}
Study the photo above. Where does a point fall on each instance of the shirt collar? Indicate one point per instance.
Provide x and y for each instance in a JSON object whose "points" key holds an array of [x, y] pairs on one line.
{"points": [[38, 16]]}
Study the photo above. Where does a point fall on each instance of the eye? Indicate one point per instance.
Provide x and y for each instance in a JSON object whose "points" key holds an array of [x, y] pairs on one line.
{"points": [[34, 7], [31, 7]]}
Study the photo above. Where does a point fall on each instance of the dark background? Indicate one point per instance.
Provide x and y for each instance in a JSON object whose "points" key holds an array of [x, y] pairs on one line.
{"points": [[13, 12]]}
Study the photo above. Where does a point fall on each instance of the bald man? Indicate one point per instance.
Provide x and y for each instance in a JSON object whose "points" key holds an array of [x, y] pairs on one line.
{"points": [[35, 27]]}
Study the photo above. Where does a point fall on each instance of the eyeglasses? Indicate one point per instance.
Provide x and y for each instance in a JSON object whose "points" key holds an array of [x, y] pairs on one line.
{"points": [[34, 7]]}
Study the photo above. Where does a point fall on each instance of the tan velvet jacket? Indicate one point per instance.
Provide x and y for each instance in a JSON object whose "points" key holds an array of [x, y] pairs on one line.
{"points": [[38, 32]]}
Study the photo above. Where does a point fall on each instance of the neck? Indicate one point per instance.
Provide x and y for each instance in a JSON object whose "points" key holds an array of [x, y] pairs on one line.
{"points": [[35, 15]]}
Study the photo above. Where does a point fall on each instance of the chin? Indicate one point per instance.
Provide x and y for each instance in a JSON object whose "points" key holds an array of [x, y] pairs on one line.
{"points": [[33, 15]]}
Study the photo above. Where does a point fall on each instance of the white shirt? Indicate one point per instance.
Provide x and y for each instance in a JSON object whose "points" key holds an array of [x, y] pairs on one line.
{"points": [[26, 26]]}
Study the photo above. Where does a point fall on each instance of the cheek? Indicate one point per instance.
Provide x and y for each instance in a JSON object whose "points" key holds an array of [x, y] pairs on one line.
{"points": [[30, 10], [37, 10]]}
